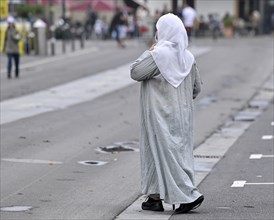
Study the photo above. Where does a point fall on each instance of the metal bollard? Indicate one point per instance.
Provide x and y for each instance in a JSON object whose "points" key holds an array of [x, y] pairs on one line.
{"points": [[82, 41], [52, 46], [73, 39], [63, 45]]}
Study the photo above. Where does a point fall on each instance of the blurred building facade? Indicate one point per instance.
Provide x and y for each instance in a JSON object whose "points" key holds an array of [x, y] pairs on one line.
{"points": [[238, 8]]}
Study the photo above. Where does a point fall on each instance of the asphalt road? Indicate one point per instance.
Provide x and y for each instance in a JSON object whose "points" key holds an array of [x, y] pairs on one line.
{"points": [[253, 201], [232, 72]]}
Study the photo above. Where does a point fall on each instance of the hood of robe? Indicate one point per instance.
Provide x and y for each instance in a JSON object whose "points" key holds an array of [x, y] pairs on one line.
{"points": [[170, 52]]}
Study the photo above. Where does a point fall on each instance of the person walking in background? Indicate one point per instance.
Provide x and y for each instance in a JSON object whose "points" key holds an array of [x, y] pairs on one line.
{"points": [[11, 48], [122, 29], [169, 82], [118, 27], [189, 17], [255, 21]]}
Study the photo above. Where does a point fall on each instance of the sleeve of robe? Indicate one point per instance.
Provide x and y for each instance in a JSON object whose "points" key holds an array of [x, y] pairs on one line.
{"points": [[144, 67]]}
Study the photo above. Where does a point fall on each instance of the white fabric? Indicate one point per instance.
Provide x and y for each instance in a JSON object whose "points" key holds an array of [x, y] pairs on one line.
{"points": [[170, 54], [10, 19], [189, 16], [166, 139]]}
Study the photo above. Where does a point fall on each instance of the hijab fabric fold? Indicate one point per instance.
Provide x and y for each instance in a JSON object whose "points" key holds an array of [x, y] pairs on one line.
{"points": [[170, 53]]}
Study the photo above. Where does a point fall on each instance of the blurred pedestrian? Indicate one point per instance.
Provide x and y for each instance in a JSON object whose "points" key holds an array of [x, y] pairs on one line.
{"points": [[255, 21], [189, 18], [156, 17], [214, 25], [11, 48], [122, 29], [165, 10], [101, 28], [90, 22], [169, 82], [118, 27]]}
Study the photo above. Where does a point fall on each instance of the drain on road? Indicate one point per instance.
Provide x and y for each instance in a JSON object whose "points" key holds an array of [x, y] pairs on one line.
{"points": [[126, 146], [207, 156], [16, 208], [92, 162]]}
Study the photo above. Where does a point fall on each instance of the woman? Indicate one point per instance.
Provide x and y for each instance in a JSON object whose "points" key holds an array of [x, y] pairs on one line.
{"points": [[169, 82], [11, 40]]}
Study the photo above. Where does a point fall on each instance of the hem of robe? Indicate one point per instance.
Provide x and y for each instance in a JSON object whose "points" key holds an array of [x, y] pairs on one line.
{"points": [[168, 201]]}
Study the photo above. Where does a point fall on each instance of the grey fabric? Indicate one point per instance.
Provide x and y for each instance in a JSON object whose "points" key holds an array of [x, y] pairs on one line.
{"points": [[166, 139], [12, 38]]}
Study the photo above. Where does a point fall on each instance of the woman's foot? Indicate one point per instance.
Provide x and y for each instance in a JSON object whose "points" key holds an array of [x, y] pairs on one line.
{"points": [[184, 208], [152, 205]]}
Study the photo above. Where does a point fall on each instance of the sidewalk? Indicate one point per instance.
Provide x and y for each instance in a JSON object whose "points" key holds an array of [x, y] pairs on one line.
{"points": [[216, 149], [241, 186], [58, 52]]}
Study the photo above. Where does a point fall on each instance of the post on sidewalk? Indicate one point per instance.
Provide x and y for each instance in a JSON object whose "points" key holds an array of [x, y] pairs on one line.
{"points": [[63, 29], [174, 6], [72, 31], [52, 29], [82, 41], [63, 42]]}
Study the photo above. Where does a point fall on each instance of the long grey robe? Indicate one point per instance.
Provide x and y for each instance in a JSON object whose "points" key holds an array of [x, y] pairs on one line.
{"points": [[166, 140]]}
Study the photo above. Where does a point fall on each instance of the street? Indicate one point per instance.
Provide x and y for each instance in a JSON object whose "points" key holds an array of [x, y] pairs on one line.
{"points": [[53, 140]]}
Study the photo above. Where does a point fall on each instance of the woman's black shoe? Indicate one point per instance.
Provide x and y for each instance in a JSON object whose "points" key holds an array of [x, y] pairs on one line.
{"points": [[153, 205], [184, 208]]}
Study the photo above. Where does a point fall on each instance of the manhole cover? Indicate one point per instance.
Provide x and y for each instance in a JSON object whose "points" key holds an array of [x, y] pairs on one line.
{"points": [[16, 208], [118, 147], [92, 163]]}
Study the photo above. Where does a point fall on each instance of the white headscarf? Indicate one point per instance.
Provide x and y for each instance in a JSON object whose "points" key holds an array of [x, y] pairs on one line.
{"points": [[170, 54], [11, 20]]}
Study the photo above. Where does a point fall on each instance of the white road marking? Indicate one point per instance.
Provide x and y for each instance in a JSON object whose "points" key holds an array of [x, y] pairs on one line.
{"points": [[255, 156], [259, 183], [16, 208], [242, 183], [63, 96], [260, 156], [31, 161], [72, 93], [272, 123], [267, 137], [238, 183]]}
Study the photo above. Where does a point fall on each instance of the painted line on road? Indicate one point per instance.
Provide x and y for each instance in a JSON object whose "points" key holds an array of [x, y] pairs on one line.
{"points": [[242, 183], [260, 156], [69, 94], [272, 123], [34, 161], [267, 137]]}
